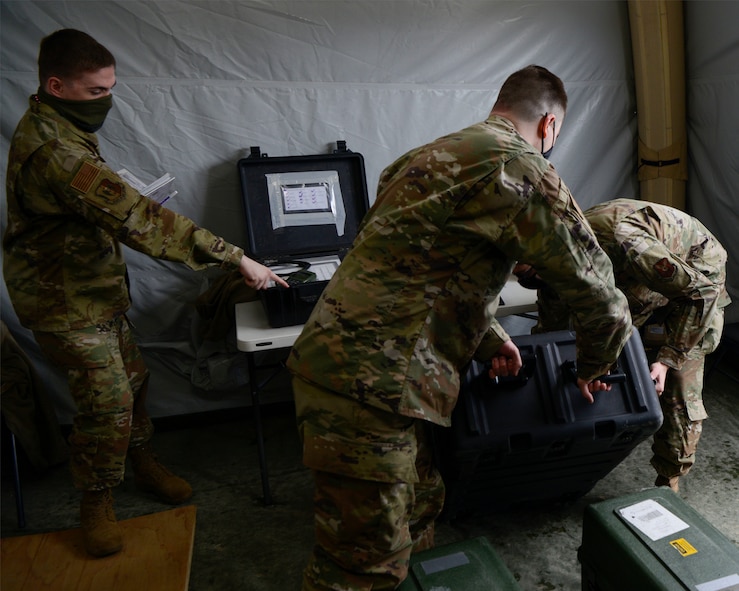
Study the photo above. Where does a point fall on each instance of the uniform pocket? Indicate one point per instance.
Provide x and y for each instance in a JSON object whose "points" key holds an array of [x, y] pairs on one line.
{"points": [[696, 411], [76, 349], [380, 461]]}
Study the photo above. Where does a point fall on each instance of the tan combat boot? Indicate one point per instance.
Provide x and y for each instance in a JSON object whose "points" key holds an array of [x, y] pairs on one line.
{"points": [[151, 476], [102, 535]]}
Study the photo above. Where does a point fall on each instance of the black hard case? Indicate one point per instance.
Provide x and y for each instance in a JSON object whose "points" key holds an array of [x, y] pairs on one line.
{"points": [[535, 438], [291, 306]]}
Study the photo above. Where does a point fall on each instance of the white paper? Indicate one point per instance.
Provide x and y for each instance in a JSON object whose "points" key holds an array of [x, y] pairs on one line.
{"points": [[652, 519], [159, 190]]}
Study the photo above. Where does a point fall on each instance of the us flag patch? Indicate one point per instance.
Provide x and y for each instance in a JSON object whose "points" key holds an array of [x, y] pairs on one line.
{"points": [[85, 177]]}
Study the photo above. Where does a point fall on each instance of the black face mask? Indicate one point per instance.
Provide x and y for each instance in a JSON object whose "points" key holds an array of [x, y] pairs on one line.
{"points": [[89, 115], [548, 153]]}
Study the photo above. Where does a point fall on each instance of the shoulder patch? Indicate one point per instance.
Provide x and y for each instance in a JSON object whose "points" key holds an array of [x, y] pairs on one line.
{"points": [[85, 177], [665, 268], [110, 191]]}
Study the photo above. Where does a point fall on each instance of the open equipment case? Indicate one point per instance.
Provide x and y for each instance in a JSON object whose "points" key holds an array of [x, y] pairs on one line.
{"points": [[302, 215], [533, 438]]}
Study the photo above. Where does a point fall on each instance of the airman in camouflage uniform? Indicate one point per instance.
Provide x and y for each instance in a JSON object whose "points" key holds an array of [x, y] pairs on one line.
{"points": [[68, 214], [412, 303], [673, 273]]}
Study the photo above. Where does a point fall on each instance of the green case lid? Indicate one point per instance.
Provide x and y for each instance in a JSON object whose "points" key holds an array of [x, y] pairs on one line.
{"points": [[470, 565]]}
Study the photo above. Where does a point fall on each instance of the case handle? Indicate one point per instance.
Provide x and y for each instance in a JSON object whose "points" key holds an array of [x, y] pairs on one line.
{"points": [[526, 372], [569, 370]]}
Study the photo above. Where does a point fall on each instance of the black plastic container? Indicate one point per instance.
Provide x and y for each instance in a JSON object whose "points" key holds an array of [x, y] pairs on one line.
{"points": [[534, 438]]}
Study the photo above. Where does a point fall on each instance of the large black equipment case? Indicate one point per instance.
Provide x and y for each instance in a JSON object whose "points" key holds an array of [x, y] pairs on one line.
{"points": [[534, 438], [653, 541], [270, 189]]}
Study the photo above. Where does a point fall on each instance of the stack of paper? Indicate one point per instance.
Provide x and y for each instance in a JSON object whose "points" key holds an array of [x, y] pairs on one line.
{"points": [[160, 190]]}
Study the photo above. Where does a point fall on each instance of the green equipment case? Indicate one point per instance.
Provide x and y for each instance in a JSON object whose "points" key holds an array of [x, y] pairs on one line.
{"points": [[653, 541], [470, 565]]}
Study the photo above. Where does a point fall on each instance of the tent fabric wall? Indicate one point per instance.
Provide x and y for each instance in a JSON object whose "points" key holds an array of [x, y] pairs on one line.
{"points": [[199, 82], [712, 66]]}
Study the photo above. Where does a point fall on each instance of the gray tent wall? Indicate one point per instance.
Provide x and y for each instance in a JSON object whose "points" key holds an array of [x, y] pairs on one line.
{"points": [[712, 66], [201, 82]]}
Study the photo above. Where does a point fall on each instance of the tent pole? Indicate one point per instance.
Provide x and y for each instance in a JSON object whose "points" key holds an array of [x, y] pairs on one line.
{"points": [[658, 48]]}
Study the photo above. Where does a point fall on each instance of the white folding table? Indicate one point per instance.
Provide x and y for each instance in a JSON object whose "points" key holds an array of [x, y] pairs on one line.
{"points": [[254, 334]]}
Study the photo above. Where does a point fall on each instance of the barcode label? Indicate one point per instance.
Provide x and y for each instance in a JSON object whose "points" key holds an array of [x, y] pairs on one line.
{"points": [[650, 516]]}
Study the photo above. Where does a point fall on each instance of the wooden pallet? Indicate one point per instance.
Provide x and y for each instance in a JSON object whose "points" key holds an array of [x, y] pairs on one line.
{"points": [[156, 556]]}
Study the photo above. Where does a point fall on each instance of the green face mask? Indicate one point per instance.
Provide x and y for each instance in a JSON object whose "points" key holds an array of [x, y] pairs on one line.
{"points": [[89, 116]]}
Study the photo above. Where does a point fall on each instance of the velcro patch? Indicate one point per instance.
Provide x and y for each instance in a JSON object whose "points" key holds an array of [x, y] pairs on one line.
{"points": [[110, 191], [85, 177], [665, 268]]}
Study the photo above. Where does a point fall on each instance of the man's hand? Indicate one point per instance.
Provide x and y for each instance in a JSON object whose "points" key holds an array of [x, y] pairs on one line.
{"points": [[507, 361], [658, 371], [587, 388], [258, 276]]}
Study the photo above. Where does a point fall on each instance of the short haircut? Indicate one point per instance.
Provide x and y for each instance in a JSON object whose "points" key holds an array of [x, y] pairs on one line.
{"points": [[531, 92], [68, 53]]}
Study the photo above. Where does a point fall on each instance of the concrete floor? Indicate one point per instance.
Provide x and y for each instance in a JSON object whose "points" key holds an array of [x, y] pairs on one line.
{"points": [[240, 544]]}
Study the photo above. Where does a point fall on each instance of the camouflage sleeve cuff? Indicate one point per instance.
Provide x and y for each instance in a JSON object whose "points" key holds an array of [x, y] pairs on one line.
{"points": [[589, 371], [672, 358], [233, 258], [491, 342]]}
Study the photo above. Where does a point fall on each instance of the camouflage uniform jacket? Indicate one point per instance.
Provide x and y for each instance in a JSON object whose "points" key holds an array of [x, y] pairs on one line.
{"points": [[68, 212], [411, 303], [665, 261]]}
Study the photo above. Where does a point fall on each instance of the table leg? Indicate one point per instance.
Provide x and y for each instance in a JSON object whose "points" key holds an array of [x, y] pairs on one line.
{"points": [[17, 478], [254, 388]]}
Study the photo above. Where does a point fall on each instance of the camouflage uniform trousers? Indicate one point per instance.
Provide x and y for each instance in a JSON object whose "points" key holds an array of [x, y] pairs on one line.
{"points": [[676, 442], [108, 381], [377, 492]]}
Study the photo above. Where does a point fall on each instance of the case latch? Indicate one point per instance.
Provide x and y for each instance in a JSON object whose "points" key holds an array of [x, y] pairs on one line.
{"points": [[256, 152]]}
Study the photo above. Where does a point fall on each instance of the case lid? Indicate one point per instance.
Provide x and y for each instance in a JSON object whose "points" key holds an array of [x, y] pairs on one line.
{"points": [[302, 205], [466, 565]]}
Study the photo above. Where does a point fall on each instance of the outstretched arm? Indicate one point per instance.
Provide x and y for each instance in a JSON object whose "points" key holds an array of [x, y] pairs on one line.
{"points": [[257, 275]]}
